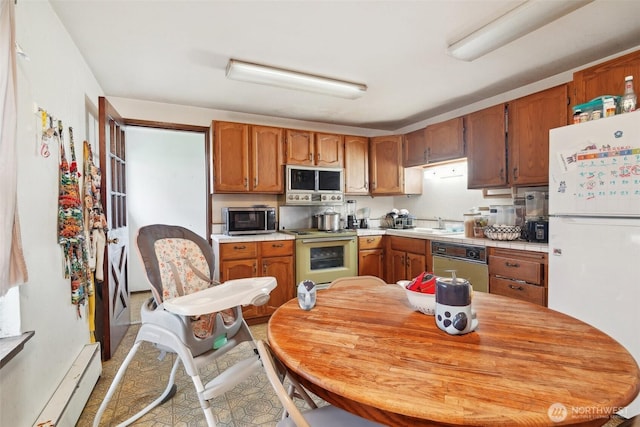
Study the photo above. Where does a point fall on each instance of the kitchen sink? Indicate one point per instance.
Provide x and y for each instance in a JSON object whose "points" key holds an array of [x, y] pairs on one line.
{"points": [[437, 230]]}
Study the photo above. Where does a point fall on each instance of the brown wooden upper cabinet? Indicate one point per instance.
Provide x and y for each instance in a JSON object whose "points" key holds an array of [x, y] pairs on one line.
{"points": [[314, 148], [435, 143], [388, 175], [529, 120], [606, 78], [247, 158], [486, 148], [356, 165]]}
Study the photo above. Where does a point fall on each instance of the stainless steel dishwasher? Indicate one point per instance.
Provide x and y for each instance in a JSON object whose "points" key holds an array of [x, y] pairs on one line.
{"points": [[469, 262]]}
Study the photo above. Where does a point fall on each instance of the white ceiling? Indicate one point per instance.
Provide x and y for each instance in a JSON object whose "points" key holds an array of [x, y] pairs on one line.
{"points": [[176, 51]]}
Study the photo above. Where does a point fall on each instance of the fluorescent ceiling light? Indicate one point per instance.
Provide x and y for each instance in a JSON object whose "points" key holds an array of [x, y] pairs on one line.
{"points": [[262, 74], [523, 19]]}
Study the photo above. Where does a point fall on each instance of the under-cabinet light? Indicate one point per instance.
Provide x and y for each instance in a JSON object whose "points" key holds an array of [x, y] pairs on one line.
{"points": [[262, 74], [523, 19]]}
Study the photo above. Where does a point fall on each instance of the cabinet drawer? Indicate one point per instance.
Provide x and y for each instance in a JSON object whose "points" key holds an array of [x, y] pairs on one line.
{"points": [[370, 242], [276, 248], [238, 250], [407, 244], [514, 289], [529, 271]]}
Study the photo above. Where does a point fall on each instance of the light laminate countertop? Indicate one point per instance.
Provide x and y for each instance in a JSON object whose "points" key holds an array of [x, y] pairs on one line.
{"points": [[416, 233]]}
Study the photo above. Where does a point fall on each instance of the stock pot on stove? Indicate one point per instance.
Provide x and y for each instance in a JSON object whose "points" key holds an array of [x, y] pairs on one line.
{"points": [[328, 221]]}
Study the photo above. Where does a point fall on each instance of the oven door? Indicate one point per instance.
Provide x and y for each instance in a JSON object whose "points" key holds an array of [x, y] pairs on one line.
{"points": [[326, 259]]}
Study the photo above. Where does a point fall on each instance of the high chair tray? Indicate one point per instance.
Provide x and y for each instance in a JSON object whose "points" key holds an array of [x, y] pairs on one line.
{"points": [[226, 295]]}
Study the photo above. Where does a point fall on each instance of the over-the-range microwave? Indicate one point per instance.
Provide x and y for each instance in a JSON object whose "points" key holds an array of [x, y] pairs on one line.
{"points": [[308, 185]]}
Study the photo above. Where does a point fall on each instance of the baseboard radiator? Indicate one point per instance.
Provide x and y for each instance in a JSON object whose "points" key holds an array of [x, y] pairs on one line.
{"points": [[68, 401]]}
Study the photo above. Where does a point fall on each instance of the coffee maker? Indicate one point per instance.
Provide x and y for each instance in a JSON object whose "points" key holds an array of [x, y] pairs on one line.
{"points": [[536, 228], [352, 220]]}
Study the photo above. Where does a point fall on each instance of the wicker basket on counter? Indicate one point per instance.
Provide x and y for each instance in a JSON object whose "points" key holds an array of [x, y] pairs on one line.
{"points": [[503, 233]]}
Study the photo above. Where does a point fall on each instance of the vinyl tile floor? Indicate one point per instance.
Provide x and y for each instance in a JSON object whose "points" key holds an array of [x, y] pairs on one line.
{"points": [[252, 403]]}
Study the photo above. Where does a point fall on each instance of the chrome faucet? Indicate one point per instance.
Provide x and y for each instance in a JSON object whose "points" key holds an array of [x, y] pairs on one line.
{"points": [[440, 223]]}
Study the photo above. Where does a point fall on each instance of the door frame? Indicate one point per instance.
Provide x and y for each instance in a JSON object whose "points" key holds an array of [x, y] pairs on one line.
{"points": [[104, 310]]}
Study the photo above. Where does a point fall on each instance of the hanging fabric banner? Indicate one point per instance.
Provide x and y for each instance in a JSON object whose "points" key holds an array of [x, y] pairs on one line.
{"points": [[70, 224], [13, 269], [95, 227]]}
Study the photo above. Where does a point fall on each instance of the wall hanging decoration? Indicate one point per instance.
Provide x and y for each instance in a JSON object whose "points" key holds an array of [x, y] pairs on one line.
{"points": [[70, 225], [47, 133], [95, 227]]}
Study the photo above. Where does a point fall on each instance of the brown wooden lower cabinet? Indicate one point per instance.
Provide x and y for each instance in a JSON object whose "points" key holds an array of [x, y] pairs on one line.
{"points": [[371, 256], [258, 259], [407, 258], [518, 274]]}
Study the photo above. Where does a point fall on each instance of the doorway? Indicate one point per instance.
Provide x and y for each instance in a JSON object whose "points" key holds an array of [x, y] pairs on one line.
{"points": [[166, 184]]}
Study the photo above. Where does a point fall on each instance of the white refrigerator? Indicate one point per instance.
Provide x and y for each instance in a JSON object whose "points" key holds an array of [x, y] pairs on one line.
{"points": [[594, 227]]}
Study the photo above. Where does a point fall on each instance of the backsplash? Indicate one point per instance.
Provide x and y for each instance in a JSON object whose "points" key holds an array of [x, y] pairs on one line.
{"points": [[444, 195]]}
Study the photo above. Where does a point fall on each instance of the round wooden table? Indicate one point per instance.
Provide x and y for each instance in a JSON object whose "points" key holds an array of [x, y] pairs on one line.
{"points": [[365, 350]]}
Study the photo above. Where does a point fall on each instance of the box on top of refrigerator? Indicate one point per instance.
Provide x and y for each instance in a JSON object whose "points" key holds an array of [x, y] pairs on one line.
{"points": [[602, 106]]}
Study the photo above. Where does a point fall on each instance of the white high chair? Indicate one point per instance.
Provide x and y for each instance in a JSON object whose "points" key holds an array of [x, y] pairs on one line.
{"points": [[191, 315]]}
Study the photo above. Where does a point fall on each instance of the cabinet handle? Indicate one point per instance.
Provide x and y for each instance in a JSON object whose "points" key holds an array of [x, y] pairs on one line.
{"points": [[366, 185], [516, 288], [515, 173], [238, 248], [255, 268], [318, 156], [513, 265], [264, 268], [246, 182], [425, 156], [501, 173], [370, 240], [255, 181], [310, 156], [277, 245]]}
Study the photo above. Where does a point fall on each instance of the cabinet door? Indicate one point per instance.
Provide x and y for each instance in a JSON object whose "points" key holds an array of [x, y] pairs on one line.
{"points": [[230, 157], [267, 159], [416, 265], [445, 141], [282, 269], [606, 78], [370, 263], [486, 148], [300, 147], [397, 266], [329, 150], [238, 269], [356, 165], [386, 165], [415, 148], [530, 119]]}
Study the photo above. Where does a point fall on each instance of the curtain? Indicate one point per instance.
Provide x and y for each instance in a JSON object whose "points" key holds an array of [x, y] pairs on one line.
{"points": [[13, 269]]}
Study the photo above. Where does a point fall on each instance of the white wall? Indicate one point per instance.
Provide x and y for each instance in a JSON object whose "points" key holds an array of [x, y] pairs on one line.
{"points": [[57, 79], [166, 184]]}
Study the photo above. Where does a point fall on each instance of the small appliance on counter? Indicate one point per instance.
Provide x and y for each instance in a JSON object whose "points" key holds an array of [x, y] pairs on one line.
{"points": [[352, 220], [364, 221], [537, 230], [249, 220], [536, 227]]}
